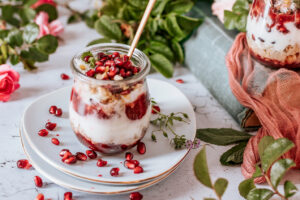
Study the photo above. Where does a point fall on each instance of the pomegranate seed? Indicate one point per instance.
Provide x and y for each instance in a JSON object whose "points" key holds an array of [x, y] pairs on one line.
{"points": [[63, 151], [23, 164], [81, 156], [119, 62], [71, 160], [179, 81], [100, 175], [110, 63], [68, 196], [55, 141], [112, 72], [100, 69], [91, 154], [43, 132], [155, 109], [52, 110], [125, 58], [99, 63], [66, 156], [138, 170], [128, 73], [58, 112], [115, 55], [128, 156], [101, 55], [122, 73], [86, 58], [136, 196], [129, 164], [90, 73], [39, 197], [114, 171], [137, 163], [38, 181], [50, 126], [64, 76], [101, 163], [141, 148]]}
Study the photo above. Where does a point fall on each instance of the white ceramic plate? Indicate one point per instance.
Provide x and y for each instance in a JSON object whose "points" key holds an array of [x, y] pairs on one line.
{"points": [[74, 183], [159, 159]]}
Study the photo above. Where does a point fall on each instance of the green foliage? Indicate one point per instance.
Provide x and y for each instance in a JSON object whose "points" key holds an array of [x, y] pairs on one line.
{"points": [[234, 155], [246, 186], [278, 170], [260, 194], [289, 189], [237, 18]]}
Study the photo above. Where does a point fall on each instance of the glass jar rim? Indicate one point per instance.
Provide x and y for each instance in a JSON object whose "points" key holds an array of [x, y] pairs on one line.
{"points": [[137, 55]]}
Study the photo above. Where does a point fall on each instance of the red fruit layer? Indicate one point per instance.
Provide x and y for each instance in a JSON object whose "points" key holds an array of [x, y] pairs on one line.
{"points": [[138, 108]]}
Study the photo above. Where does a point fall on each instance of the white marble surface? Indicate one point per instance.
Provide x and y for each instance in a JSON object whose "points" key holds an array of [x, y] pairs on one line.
{"points": [[182, 185]]}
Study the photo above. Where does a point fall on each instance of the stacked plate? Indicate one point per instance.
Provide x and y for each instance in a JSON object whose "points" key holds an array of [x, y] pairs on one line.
{"points": [[160, 160]]}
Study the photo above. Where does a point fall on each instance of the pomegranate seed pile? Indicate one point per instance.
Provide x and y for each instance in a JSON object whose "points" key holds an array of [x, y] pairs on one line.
{"points": [[108, 66]]}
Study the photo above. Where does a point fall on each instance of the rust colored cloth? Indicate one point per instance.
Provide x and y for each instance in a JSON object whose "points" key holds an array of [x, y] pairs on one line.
{"points": [[274, 96]]}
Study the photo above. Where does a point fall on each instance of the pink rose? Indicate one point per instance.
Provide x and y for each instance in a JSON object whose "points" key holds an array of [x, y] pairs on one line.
{"points": [[41, 2], [54, 28], [218, 8], [9, 82]]}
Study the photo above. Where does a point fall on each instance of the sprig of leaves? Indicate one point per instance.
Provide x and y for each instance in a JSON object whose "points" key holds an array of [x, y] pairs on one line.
{"points": [[270, 152], [166, 122], [167, 28], [19, 43], [237, 18]]}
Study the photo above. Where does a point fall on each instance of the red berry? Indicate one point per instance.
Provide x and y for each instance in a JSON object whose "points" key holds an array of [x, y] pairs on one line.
{"points": [[50, 126], [66, 155], [39, 197], [52, 110], [101, 163], [81, 156], [63, 151], [23, 164], [100, 69], [68, 196], [129, 164], [128, 156], [138, 170], [155, 109], [114, 171], [141, 148], [64, 76], [179, 81], [91, 154], [71, 160], [86, 58], [90, 73], [136, 196], [58, 112], [43, 132], [38, 181], [55, 141]]}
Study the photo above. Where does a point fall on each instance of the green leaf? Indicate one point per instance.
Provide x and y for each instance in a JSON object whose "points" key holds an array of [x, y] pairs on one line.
{"points": [[220, 186], [107, 28], [4, 50], [201, 168], [259, 194], [240, 6], [47, 44], [37, 55], [14, 59], [172, 27], [230, 19], [263, 143], [161, 64], [98, 41], [223, 136], [87, 53], [188, 24], [245, 187], [3, 34], [258, 172], [289, 189], [29, 2], [234, 155], [159, 7], [90, 17], [241, 23], [15, 38], [27, 14], [7, 14], [29, 65], [160, 48], [31, 31], [274, 151], [178, 51], [51, 10], [179, 6], [279, 169], [209, 199], [73, 18]]}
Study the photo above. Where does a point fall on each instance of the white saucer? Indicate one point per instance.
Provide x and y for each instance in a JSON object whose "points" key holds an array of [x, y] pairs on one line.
{"points": [[77, 184], [160, 158]]}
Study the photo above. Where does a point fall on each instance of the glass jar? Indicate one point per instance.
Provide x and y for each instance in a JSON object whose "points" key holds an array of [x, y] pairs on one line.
{"points": [[106, 115], [273, 32]]}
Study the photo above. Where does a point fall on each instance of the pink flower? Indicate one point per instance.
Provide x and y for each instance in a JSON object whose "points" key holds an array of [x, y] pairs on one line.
{"points": [[54, 28], [9, 82], [41, 2], [218, 8]]}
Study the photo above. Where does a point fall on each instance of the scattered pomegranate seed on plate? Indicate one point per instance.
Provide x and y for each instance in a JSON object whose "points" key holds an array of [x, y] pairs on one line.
{"points": [[43, 132], [81, 156], [138, 170], [135, 196], [128, 156], [141, 148], [58, 112], [50, 126], [55, 141], [23, 164], [66, 155], [63, 151], [129, 164], [101, 163], [64, 76], [52, 110], [155, 109], [39, 197], [71, 160], [68, 196], [38, 181], [114, 171], [179, 81], [91, 154]]}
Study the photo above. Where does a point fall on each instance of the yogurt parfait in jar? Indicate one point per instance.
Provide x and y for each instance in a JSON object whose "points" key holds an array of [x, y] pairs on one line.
{"points": [[273, 32], [110, 105]]}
